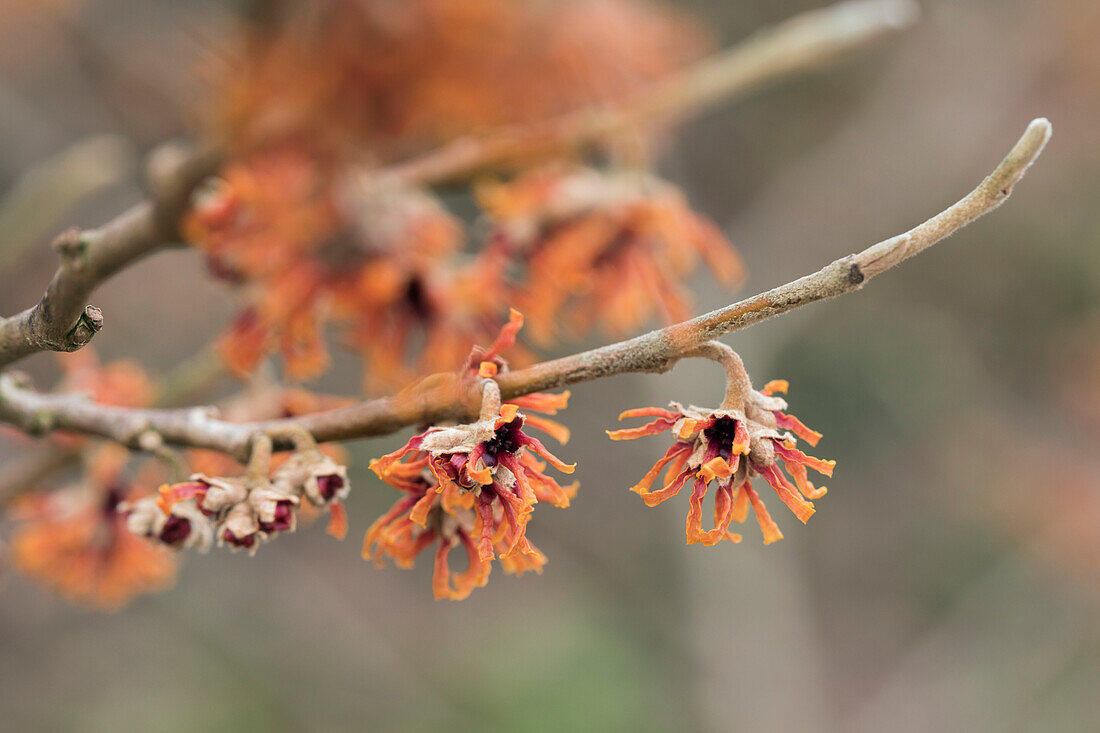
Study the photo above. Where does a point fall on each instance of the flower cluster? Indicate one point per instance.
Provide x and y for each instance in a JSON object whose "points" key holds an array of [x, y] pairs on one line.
{"points": [[728, 447], [598, 247], [75, 542], [242, 513], [310, 248], [474, 485], [314, 236]]}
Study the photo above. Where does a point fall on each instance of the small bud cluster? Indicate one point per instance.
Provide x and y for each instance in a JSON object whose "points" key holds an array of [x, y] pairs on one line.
{"points": [[241, 513]]}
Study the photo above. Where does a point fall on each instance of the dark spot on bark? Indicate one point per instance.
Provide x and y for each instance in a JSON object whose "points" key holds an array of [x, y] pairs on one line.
{"points": [[855, 275]]}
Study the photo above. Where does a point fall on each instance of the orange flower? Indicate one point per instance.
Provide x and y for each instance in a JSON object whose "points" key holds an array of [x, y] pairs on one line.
{"points": [[728, 447], [76, 543], [473, 485], [398, 75], [368, 260], [601, 247], [265, 211]]}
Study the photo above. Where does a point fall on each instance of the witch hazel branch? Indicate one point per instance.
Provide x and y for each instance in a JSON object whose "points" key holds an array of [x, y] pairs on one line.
{"points": [[475, 485], [315, 243]]}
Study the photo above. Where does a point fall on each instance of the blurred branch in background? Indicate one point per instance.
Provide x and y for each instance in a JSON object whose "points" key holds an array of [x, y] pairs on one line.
{"points": [[805, 42]]}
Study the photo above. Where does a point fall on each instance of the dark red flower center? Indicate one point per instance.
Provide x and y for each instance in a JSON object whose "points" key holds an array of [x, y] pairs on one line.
{"points": [[722, 434], [329, 485], [175, 531], [112, 499], [507, 439], [417, 297], [246, 541], [284, 512]]}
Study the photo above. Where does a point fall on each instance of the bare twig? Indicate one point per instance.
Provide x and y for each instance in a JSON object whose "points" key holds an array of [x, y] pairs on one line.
{"points": [[62, 320], [804, 42], [656, 351]]}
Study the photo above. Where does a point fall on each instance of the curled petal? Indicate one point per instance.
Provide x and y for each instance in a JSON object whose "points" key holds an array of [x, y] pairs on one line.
{"points": [[546, 489], [482, 475], [441, 575], [382, 465], [721, 258], [475, 575], [507, 336], [650, 412], [477, 571], [536, 445], [170, 495], [718, 468], [767, 525], [799, 506], [543, 402], [723, 513], [554, 429], [454, 498], [484, 507], [653, 428], [338, 521], [688, 428], [653, 498], [516, 513], [798, 472], [740, 438], [741, 505], [244, 344], [776, 385], [530, 558], [676, 451], [419, 512], [792, 454], [372, 540], [796, 426], [508, 412]]}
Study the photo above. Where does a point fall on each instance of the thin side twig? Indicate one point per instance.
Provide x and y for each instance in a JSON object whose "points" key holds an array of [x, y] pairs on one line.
{"points": [[656, 351], [62, 320]]}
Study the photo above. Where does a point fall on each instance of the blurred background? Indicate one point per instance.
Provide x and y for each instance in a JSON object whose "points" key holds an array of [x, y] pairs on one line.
{"points": [[950, 580]]}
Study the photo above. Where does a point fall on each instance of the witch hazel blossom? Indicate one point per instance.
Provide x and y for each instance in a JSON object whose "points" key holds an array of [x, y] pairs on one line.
{"points": [[496, 463], [728, 447], [473, 485]]}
